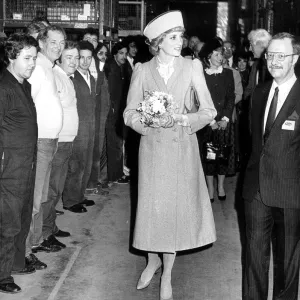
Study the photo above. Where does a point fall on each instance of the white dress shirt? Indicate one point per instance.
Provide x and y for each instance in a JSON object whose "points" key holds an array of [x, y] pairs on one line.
{"points": [[67, 96], [93, 69], [283, 92], [86, 78], [230, 61], [130, 60], [45, 96], [101, 66]]}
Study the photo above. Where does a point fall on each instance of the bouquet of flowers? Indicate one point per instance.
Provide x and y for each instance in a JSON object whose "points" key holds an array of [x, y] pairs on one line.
{"points": [[155, 108]]}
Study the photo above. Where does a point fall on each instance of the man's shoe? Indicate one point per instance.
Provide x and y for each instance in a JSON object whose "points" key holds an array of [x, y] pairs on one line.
{"points": [[46, 246], [103, 184], [100, 191], [28, 269], [87, 202], [77, 208], [9, 288], [54, 242], [62, 234], [124, 180], [59, 212], [32, 260]]}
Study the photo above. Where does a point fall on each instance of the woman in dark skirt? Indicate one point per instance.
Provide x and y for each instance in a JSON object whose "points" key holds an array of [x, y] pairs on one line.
{"points": [[220, 83]]}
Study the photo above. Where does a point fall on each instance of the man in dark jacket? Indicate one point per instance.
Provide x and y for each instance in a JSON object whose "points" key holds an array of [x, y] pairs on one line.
{"points": [[117, 77], [18, 138], [271, 184], [80, 162]]}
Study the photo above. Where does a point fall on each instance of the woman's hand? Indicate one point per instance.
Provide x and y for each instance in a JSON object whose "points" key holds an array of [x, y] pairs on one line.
{"points": [[214, 126], [222, 124], [167, 122]]}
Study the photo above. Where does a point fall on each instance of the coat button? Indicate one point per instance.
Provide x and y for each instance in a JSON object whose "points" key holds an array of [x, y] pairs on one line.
{"points": [[175, 140], [175, 129]]}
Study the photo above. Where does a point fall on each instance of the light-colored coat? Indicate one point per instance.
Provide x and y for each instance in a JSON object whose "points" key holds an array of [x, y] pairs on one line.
{"points": [[174, 211]]}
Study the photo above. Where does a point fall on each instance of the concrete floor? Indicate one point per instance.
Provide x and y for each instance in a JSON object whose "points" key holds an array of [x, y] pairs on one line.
{"points": [[99, 264]]}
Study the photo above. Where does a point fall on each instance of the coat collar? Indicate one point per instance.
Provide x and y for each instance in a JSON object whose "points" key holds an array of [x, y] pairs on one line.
{"points": [[178, 64]]}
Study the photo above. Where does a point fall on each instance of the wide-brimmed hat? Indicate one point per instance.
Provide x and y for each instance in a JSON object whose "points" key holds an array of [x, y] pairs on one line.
{"points": [[163, 23]]}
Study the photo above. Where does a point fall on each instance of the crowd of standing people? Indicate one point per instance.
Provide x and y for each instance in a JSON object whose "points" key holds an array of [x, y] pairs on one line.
{"points": [[69, 126]]}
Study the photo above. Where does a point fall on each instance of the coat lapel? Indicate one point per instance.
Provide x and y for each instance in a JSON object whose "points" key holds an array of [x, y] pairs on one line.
{"points": [[287, 108], [264, 99], [156, 76], [178, 64], [81, 80]]}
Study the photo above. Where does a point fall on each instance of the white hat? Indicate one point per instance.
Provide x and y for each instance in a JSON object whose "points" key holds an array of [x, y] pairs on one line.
{"points": [[163, 23]]}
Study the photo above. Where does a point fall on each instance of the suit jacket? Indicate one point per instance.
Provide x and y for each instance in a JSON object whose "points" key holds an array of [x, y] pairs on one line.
{"points": [[274, 166], [260, 66], [18, 124], [85, 97]]}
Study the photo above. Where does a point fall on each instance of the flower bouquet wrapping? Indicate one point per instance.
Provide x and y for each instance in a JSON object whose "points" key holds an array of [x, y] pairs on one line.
{"points": [[155, 108]]}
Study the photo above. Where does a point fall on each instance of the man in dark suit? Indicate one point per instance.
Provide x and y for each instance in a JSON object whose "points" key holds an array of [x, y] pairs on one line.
{"points": [[80, 162], [18, 140], [272, 178], [229, 51], [259, 40]]}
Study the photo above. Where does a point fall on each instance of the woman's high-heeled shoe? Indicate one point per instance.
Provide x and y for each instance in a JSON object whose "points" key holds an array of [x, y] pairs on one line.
{"points": [[222, 198], [142, 285]]}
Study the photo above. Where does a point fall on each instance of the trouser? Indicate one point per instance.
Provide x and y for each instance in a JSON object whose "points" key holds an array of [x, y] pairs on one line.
{"points": [[56, 186], [46, 149], [80, 164], [97, 172], [264, 223], [16, 201], [114, 144]]}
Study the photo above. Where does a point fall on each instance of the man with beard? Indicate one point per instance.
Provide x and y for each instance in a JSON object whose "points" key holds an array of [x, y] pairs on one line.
{"points": [[18, 138]]}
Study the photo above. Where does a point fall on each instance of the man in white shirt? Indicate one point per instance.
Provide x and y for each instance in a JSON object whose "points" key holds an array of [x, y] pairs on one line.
{"points": [[229, 49], [50, 121], [92, 37], [63, 72], [271, 184]]}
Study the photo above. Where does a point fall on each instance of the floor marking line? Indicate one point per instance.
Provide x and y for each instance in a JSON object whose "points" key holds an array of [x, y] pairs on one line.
{"points": [[64, 274]]}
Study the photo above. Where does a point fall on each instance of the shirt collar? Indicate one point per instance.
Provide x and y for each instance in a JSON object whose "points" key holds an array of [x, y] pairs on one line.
{"points": [[286, 85], [87, 75], [45, 60]]}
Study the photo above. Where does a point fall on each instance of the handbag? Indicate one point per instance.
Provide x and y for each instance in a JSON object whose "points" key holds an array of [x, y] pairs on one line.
{"points": [[217, 151], [194, 100]]}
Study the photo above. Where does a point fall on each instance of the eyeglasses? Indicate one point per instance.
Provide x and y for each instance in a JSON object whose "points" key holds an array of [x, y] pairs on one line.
{"points": [[278, 56]]}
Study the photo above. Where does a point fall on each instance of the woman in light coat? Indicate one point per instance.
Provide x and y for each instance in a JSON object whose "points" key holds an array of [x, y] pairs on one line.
{"points": [[174, 211]]}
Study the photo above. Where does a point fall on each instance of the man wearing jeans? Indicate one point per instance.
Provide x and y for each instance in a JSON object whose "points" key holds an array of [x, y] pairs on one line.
{"points": [[66, 66], [50, 120]]}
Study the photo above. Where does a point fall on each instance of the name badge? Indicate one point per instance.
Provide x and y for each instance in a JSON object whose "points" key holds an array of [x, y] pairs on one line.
{"points": [[288, 125]]}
